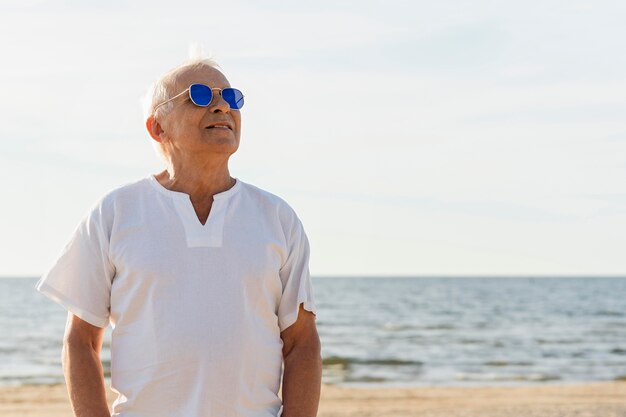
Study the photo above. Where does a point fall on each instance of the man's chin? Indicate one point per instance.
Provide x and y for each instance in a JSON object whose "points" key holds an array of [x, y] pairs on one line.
{"points": [[221, 147]]}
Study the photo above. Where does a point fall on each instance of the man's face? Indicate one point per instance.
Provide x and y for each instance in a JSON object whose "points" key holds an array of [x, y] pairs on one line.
{"points": [[188, 127]]}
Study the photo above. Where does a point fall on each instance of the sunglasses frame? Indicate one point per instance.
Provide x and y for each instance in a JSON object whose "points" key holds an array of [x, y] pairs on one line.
{"points": [[188, 89]]}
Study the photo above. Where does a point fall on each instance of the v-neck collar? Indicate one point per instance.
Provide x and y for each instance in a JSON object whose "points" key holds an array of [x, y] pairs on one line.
{"points": [[210, 233], [180, 195]]}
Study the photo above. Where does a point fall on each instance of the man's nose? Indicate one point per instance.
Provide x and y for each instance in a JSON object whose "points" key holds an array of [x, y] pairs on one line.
{"points": [[218, 104]]}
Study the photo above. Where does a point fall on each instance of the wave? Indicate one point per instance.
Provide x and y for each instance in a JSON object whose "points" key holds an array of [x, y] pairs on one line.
{"points": [[539, 377], [558, 341], [346, 361], [508, 363], [609, 313]]}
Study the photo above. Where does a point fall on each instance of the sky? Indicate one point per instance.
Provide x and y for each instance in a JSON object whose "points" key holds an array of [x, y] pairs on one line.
{"points": [[411, 137]]}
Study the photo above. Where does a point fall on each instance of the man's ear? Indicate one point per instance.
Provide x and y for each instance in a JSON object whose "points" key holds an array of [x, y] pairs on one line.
{"points": [[154, 128]]}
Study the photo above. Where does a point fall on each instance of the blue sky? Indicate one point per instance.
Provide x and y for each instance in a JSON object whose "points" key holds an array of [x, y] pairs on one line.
{"points": [[412, 138]]}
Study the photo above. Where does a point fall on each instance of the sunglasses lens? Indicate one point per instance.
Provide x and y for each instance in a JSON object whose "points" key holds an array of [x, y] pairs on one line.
{"points": [[200, 94], [233, 97]]}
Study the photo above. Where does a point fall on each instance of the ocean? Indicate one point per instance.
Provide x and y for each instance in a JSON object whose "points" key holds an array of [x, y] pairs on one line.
{"points": [[400, 332]]}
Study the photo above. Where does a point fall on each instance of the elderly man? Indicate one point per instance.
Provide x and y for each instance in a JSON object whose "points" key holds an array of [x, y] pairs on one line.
{"points": [[203, 277]]}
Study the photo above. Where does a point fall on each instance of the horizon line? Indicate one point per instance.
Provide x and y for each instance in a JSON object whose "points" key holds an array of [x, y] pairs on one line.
{"points": [[419, 276]]}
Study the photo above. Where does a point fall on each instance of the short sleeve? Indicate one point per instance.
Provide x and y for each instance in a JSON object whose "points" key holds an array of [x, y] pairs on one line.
{"points": [[295, 277], [80, 279]]}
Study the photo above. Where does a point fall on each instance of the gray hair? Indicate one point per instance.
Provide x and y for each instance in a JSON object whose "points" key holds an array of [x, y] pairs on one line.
{"points": [[161, 90]]}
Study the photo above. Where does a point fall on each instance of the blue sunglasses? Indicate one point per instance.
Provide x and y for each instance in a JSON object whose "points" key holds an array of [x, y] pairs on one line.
{"points": [[201, 95]]}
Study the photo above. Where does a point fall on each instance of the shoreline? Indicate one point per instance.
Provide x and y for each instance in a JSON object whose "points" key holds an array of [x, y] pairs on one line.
{"points": [[606, 399]]}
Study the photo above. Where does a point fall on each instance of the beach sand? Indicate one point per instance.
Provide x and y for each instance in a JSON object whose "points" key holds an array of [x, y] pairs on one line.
{"points": [[606, 399]]}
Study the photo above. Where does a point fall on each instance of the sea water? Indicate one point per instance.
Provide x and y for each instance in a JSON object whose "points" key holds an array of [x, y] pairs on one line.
{"points": [[399, 331]]}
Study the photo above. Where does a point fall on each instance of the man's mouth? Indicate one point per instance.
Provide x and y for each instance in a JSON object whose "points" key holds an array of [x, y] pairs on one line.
{"points": [[219, 126]]}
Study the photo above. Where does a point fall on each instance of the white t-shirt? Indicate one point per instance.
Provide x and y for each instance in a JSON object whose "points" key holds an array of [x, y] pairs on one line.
{"points": [[196, 310]]}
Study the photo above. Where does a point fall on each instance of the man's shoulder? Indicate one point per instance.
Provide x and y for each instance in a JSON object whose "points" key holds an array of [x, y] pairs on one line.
{"points": [[259, 193], [125, 190], [266, 199], [103, 209]]}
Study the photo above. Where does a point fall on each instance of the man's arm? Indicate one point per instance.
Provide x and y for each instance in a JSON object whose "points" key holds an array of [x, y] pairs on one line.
{"points": [[302, 378], [82, 368]]}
